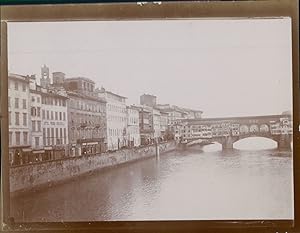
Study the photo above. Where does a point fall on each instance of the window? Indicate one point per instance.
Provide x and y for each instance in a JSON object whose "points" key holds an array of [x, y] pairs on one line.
{"points": [[57, 137], [48, 136], [18, 138], [32, 99], [17, 121], [33, 111], [43, 114], [55, 115], [8, 101], [10, 138], [25, 119], [25, 138], [37, 141], [16, 85], [38, 99], [64, 115], [47, 114], [38, 111], [60, 118], [16, 102], [39, 126], [51, 115], [65, 136], [24, 104], [33, 126], [24, 87], [44, 136], [52, 134]]}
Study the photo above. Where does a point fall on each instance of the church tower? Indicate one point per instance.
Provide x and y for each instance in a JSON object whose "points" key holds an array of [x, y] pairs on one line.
{"points": [[45, 76]]}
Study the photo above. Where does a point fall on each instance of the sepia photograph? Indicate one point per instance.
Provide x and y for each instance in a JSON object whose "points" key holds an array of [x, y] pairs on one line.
{"points": [[142, 120]]}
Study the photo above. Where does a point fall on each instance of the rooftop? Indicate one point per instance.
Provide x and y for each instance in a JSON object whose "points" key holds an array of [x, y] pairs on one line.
{"points": [[19, 77], [80, 95], [79, 78], [111, 93]]}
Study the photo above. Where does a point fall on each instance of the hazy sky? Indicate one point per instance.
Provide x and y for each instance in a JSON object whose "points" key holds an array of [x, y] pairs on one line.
{"points": [[223, 67]]}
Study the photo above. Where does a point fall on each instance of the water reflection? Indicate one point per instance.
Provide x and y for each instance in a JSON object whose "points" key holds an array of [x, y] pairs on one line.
{"points": [[192, 184]]}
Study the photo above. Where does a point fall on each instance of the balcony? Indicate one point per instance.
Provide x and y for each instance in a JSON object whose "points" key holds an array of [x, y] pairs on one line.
{"points": [[146, 131], [83, 125]]}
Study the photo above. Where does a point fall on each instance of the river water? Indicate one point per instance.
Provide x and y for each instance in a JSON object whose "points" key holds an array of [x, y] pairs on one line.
{"points": [[191, 184]]}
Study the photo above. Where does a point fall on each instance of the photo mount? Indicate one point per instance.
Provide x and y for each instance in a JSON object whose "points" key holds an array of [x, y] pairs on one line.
{"points": [[149, 11]]}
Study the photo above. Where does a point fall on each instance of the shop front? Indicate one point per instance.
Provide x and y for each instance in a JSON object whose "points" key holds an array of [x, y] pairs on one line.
{"points": [[91, 146], [59, 152], [37, 155], [19, 155], [48, 155]]}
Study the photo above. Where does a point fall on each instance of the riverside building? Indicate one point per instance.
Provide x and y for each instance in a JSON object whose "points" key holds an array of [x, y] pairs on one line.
{"points": [[54, 123], [35, 101], [18, 115], [116, 118], [133, 128], [86, 117]]}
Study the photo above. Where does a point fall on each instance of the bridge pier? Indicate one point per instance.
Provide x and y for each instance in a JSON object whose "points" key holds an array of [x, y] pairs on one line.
{"points": [[284, 143], [227, 143]]}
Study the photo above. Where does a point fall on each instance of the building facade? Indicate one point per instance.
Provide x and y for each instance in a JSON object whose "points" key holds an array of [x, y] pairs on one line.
{"points": [[35, 100], [145, 123], [155, 122], [164, 124], [54, 123], [133, 128], [116, 119], [86, 118], [19, 116]]}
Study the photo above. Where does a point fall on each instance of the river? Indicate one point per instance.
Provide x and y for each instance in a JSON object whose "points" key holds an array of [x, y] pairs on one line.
{"points": [[190, 184]]}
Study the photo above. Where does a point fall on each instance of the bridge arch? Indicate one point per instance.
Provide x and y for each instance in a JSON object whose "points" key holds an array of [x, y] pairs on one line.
{"points": [[214, 146], [254, 128], [255, 143], [244, 129], [264, 128]]}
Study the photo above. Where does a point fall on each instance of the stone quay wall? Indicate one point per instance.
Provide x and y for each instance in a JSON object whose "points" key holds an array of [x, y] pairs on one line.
{"points": [[43, 174]]}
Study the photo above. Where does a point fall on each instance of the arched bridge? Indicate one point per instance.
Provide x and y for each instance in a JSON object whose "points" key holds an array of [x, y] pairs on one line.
{"points": [[229, 130]]}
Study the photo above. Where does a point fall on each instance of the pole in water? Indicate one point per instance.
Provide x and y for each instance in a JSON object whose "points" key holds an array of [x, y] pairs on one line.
{"points": [[157, 149]]}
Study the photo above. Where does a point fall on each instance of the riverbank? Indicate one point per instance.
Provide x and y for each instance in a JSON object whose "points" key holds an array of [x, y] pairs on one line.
{"points": [[30, 177]]}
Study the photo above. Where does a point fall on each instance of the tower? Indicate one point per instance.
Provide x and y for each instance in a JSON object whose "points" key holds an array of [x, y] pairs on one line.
{"points": [[45, 77], [148, 100]]}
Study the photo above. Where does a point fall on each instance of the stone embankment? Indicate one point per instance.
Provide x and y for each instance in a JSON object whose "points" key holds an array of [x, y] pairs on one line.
{"points": [[43, 174]]}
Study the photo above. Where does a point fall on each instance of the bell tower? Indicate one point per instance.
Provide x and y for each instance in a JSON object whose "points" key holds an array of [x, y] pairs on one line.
{"points": [[45, 76]]}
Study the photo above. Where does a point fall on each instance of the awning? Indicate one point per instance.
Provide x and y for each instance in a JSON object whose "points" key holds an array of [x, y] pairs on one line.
{"points": [[90, 143], [38, 151], [26, 149]]}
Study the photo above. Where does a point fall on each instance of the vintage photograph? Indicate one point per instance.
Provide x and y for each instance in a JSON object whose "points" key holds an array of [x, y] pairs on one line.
{"points": [[186, 119]]}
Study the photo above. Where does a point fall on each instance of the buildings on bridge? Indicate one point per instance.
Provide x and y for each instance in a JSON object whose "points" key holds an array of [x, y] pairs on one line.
{"points": [[276, 127]]}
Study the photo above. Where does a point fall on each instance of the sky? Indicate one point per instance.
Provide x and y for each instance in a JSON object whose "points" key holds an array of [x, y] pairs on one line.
{"points": [[224, 67]]}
